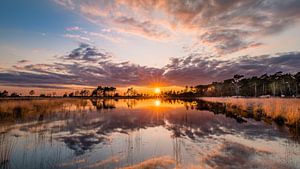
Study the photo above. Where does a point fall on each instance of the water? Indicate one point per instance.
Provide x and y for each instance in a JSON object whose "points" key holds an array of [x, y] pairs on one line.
{"points": [[151, 133]]}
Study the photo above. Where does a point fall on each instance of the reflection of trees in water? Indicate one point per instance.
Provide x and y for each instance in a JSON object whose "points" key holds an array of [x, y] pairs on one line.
{"points": [[239, 113], [103, 104], [182, 123], [131, 103]]}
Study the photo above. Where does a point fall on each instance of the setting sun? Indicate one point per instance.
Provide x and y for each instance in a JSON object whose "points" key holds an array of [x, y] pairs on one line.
{"points": [[157, 90]]}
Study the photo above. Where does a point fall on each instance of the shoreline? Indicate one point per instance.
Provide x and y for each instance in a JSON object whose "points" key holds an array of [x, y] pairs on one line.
{"points": [[134, 97]]}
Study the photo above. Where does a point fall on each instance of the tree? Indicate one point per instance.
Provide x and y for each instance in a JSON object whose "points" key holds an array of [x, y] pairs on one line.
{"points": [[98, 91], [113, 90], [236, 80], [4, 93], [131, 92], [31, 93], [84, 92], [14, 94]]}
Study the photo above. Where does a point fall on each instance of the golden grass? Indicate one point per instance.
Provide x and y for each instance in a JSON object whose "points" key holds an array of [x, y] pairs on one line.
{"points": [[287, 108]]}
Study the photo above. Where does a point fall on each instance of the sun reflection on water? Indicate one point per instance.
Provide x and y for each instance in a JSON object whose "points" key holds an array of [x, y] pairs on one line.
{"points": [[157, 103]]}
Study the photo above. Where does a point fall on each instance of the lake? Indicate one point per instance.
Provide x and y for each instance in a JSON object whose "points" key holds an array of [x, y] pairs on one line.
{"points": [[150, 133]]}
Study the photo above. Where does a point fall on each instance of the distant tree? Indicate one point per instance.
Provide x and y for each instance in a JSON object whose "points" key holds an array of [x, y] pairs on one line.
{"points": [[131, 92], [71, 94], [42, 95], [84, 92], [278, 84], [98, 91], [236, 80], [14, 94], [4, 93], [31, 93], [65, 95], [105, 90], [113, 91]]}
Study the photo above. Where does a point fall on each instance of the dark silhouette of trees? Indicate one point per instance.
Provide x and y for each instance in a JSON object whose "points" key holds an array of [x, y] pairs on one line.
{"points": [[4, 93], [71, 94], [14, 94], [104, 91], [278, 84], [31, 93], [131, 92], [84, 92]]}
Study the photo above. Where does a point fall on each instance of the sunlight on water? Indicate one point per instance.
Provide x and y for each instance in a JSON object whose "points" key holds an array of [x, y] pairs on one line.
{"points": [[134, 134], [157, 102]]}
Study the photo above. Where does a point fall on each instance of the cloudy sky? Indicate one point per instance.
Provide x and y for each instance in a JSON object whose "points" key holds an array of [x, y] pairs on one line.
{"points": [[65, 43]]}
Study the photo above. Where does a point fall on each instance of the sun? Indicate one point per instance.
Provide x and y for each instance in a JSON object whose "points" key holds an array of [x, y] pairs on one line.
{"points": [[157, 90]]}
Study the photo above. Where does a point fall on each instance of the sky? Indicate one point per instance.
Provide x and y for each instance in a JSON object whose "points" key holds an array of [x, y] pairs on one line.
{"points": [[66, 44]]}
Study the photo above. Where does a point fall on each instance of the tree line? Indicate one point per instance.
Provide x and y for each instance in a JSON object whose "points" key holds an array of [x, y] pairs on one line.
{"points": [[277, 84], [100, 91]]}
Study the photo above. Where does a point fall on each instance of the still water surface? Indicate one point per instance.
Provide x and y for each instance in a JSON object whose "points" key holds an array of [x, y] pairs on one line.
{"points": [[140, 134]]}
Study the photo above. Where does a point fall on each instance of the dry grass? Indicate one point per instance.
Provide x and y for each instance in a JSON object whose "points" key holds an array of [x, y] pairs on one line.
{"points": [[275, 108]]}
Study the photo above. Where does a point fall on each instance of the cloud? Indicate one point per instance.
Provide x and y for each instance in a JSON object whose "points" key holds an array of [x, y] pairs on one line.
{"points": [[238, 24], [81, 35], [87, 65], [86, 53], [74, 28], [78, 38], [195, 69], [146, 28], [107, 37], [23, 61], [66, 3], [227, 41]]}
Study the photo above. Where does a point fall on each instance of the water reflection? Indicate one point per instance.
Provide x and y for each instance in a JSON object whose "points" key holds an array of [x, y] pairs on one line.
{"points": [[157, 102], [83, 133]]}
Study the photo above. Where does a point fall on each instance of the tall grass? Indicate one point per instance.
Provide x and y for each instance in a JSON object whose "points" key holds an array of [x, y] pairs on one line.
{"points": [[281, 110], [6, 149]]}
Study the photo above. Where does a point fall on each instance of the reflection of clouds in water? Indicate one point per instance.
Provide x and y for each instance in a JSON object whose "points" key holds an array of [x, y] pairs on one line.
{"points": [[235, 155], [83, 142], [189, 124], [164, 162], [81, 127]]}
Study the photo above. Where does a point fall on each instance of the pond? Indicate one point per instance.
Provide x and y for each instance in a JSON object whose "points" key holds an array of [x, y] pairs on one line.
{"points": [[150, 133]]}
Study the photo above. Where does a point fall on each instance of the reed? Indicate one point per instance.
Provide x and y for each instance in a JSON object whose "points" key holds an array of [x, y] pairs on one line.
{"points": [[281, 110], [6, 149]]}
